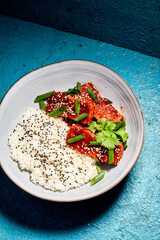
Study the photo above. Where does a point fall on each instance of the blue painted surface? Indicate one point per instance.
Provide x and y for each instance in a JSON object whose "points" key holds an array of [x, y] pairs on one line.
{"points": [[131, 209], [127, 23]]}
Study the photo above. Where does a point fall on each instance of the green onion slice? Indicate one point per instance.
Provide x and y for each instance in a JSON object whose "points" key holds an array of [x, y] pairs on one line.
{"points": [[92, 94], [57, 111], [118, 125], [77, 107], [111, 156], [67, 131], [79, 87], [81, 117], [71, 91], [93, 143], [97, 178], [109, 100], [43, 96], [75, 90], [43, 105], [98, 168], [75, 139], [125, 146]]}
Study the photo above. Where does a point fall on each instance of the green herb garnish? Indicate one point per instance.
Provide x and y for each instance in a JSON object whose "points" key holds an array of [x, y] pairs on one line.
{"points": [[77, 106], [75, 139], [111, 156], [79, 87], [125, 146], [108, 135], [94, 127], [91, 93], [98, 168], [97, 126], [119, 125], [93, 143], [43, 105], [109, 100], [43, 97], [97, 178], [81, 117], [74, 91], [107, 139], [57, 111], [121, 134]]}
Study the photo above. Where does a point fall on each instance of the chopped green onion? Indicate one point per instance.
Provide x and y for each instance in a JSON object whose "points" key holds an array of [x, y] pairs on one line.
{"points": [[81, 117], [43, 105], [75, 90], [118, 125], [67, 131], [111, 156], [75, 139], [93, 143], [77, 107], [97, 178], [79, 87], [43, 96], [109, 100], [57, 111], [92, 94], [71, 91], [98, 168], [125, 146]]}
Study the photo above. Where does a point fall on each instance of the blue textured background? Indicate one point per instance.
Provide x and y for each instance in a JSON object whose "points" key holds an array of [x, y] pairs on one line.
{"points": [[127, 23], [131, 209]]}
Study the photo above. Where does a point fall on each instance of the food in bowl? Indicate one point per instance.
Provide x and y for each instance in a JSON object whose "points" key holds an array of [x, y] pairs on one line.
{"points": [[63, 144]]}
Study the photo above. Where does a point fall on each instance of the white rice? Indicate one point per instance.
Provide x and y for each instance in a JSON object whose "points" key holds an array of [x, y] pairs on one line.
{"points": [[38, 145]]}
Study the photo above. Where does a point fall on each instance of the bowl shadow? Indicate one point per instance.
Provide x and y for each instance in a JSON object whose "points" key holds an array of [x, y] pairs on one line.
{"points": [[35, 213]]}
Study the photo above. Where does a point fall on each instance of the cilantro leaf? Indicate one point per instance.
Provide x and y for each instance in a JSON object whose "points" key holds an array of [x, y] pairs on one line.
{"points": [[122, 134], [110, 125], [109, 133], [94, 126], [107, 139], [99, 125], [100, 136], [102, 122], [110, 143]]}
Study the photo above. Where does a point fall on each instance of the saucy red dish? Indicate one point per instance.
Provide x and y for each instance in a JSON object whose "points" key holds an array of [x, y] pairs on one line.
{"points": [[93, 151], [95, 108]]}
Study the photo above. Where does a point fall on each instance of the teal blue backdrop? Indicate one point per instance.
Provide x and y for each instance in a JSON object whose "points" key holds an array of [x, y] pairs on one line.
{"points": [[127, 23], [130, 211]]}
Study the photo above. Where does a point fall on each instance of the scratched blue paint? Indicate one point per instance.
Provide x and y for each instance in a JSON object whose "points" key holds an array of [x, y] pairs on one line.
{"points": [[131, 209], [127, 23]]}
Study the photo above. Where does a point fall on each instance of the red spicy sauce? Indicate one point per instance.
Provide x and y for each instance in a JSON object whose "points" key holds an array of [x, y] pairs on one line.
{"points": [[102, 108], [59, 99], [93, 151]]}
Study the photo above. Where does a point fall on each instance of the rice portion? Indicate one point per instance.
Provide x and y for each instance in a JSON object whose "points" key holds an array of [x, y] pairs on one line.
{"points": [[38, 145]]}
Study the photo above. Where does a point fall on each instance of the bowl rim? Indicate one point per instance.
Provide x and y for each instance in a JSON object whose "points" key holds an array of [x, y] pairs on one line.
{"points": [[140, 150]]}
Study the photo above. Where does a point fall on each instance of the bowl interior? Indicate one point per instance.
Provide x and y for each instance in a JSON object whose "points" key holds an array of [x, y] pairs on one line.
{"points": [[60, 77]]}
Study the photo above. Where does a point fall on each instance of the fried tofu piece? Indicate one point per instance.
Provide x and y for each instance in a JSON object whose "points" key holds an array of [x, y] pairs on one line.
{"points": [[93, 151], [118, 152], [102, 108], [84, 92], [82, 145], [59, 99]]}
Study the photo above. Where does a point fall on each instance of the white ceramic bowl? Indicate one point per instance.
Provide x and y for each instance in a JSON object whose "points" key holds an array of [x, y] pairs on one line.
{"points": [[61, 76]]}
